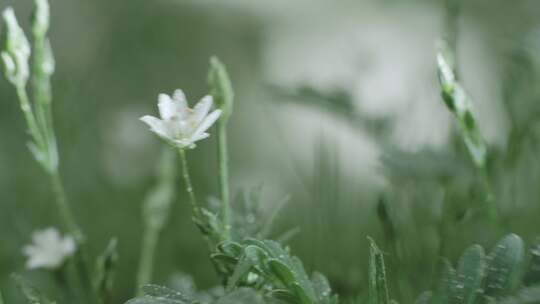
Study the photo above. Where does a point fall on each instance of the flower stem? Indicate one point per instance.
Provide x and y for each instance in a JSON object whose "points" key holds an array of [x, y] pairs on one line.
{"points": [[63, 207], [489, 201], [224, 177], [189, 187], [81, 261], [146, 263]]}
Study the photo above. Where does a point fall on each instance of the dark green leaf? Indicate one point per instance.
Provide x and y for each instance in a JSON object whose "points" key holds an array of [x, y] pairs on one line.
{"points": [[504, 263]]}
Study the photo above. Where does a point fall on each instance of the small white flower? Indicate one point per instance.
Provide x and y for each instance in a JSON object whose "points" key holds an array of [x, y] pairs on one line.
{"points": [[49, 250], [180, 125]]}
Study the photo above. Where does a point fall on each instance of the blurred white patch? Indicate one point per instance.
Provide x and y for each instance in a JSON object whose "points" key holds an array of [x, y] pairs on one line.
{"points": [[48, 250]]}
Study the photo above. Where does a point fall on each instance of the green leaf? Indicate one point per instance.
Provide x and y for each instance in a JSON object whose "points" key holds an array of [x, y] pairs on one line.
{"points": [[378, 289], [321, 286], [155, 294], [32, 294], [504, 264], [470, 273], [445, 286], [242, 296], [245, 265], [282, 271]]}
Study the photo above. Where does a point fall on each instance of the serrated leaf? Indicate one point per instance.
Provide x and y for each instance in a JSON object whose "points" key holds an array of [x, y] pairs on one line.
{"points": [[447, 279], [504, 264], [378, 289], [470, 273]]}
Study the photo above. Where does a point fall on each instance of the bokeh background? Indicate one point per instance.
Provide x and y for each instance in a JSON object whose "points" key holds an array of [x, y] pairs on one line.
{"points": [[337, 105]]}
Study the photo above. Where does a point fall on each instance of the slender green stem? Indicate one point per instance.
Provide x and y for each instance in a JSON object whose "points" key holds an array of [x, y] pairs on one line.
{"points": [[29, 116], [146, 262], [189, 187], [224, 176], [81, 260], [63, 207], [63, 284]]}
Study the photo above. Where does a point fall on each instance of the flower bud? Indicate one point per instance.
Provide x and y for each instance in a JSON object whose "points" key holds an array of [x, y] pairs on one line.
{"points": [[16, 50], [221, 87]]}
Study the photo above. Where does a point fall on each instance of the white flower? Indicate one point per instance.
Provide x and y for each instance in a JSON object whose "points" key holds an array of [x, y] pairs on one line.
{"points": [[179, 124], [49, 249]]}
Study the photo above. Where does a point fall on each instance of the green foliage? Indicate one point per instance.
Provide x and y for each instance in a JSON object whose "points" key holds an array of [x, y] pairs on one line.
{"points": [[469, 275], [504, 266], [268, 266], [378, 289], [481, 279], [153, 294]]}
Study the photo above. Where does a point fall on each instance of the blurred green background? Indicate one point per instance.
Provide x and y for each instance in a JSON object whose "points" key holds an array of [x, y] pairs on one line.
{"points": [[337, 105]]}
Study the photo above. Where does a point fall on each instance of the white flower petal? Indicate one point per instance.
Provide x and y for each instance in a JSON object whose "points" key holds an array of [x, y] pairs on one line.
{"points": [[180, 98], [206, 123], [200, 136], [167, 107], [201, 109], [157, 126]]}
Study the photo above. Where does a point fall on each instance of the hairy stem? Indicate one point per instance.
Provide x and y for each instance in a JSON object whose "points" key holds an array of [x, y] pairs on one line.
{"points": [[188, 184], [63, 207], [224, 177]]}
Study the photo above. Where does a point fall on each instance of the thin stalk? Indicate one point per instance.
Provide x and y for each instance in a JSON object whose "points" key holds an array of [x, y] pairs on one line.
{"points": [[489, 201], [146, 263], [81, 260], [224, 177], [29, 116], [63, 284], [189, 187], [63, 207]]}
